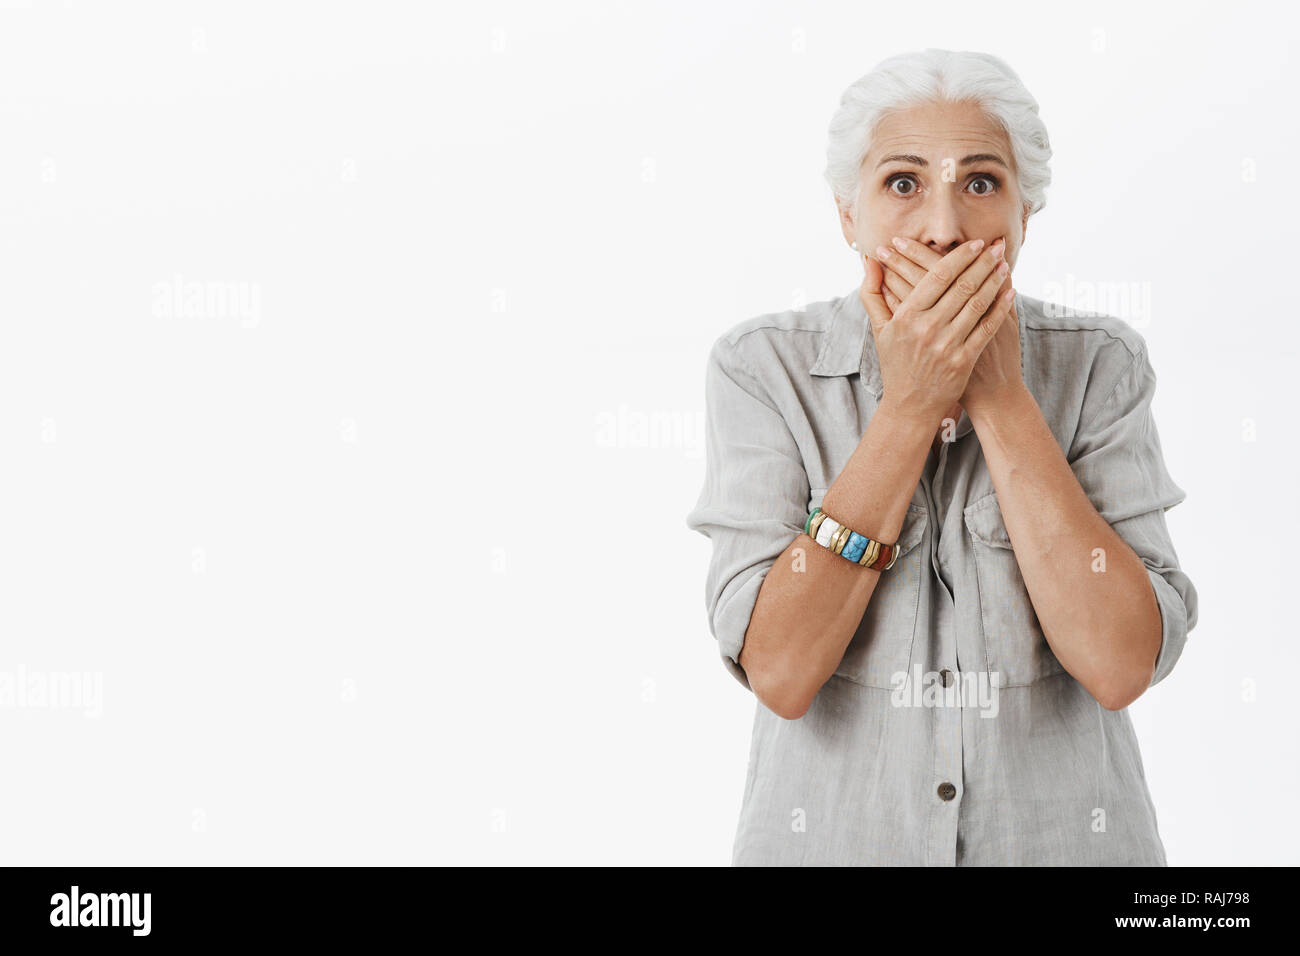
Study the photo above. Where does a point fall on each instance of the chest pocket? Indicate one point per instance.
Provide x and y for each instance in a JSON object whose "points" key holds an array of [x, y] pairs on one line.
{"points": [[1014, 644], [882, 644]]}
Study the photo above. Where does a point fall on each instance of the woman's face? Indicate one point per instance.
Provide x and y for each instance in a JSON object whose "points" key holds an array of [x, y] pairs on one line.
{"points": [[932, 195]]}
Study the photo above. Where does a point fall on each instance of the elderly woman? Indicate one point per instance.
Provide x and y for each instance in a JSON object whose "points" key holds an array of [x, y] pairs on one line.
{"points": [[936, 507]]}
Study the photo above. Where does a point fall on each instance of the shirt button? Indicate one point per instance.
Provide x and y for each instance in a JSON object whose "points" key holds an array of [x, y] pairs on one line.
{"points": [[947, 791], [945, 675]]}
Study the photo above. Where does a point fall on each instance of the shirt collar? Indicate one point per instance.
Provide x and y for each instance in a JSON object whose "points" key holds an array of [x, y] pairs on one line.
{"points": [[849, 347]]}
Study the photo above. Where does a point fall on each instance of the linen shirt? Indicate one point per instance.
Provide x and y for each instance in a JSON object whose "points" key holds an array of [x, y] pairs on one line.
{"points": [[882, 771]]}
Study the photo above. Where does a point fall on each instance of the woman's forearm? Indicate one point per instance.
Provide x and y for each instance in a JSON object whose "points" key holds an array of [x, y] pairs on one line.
{"points": [[812, 601], [1101, 620]]}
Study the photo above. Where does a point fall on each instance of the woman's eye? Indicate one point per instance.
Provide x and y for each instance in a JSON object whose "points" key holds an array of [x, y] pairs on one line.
{"points": [[895, 180], [982, 185]]}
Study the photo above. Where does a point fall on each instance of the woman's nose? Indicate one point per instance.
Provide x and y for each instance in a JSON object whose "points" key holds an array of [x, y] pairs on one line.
{"points": [[946, 242], [941, 225]]}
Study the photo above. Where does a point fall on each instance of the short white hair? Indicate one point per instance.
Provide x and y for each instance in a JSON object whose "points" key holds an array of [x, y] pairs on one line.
{"points": [[914, 79]]}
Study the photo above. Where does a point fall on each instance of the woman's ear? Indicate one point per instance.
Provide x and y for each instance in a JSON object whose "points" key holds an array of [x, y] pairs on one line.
{"points": [[847, 225]]}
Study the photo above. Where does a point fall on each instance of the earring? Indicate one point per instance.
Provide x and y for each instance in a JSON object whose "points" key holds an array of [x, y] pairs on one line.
{"points": [[854, 245]]}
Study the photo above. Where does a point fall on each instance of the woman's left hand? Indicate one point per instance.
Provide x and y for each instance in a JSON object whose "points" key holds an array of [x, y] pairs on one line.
{"points": [[998, 367]]}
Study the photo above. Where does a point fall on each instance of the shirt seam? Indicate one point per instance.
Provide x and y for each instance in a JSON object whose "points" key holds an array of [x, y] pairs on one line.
{"points": [[735, 343], [759, 393], [1091, 328], [891, 687], [1123, 377]]}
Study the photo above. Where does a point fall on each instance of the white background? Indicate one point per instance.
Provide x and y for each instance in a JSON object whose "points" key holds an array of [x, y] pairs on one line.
{"points": [[384, 566]]}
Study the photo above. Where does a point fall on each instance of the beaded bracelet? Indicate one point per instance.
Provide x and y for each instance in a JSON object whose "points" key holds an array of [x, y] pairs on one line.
{"points": [[858, 548]]}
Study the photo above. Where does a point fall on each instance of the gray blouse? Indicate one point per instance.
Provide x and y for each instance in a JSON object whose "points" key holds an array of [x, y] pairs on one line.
{"points": [[988, 752]]}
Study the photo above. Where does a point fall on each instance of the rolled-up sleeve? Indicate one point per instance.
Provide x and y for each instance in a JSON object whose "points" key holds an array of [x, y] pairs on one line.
{"points": [[754, 499], [1118, 460]]}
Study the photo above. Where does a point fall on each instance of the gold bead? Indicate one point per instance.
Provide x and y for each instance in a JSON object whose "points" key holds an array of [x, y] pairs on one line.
{"points": [[841, 536]]}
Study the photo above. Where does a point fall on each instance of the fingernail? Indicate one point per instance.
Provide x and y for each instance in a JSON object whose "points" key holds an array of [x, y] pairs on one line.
{"points": [[898, 244], [998, 249], [977, 245], [882, 252]]}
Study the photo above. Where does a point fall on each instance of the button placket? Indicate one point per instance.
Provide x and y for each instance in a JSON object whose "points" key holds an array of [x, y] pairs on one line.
{"points": [[948, 750]]}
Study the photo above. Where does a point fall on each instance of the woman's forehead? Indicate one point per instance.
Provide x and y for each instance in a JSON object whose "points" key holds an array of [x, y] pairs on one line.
{"points": [[940, 127]]}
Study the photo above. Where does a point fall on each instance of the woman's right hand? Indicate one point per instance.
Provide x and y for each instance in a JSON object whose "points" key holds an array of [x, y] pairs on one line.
{"points": [[929, 345]]}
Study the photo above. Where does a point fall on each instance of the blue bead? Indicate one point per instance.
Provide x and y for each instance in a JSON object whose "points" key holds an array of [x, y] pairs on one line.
{"points": [[855, 547]]}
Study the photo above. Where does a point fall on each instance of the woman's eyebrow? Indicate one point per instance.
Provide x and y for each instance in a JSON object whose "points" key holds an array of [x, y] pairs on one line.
{"points": [[920, 161]]}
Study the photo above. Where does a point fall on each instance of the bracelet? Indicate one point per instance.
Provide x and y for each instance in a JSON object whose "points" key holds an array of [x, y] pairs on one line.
{"points": [[847, 543]]}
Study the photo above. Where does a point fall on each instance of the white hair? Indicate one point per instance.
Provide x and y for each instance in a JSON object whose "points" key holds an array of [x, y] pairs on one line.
{"points": [[913, 79]]}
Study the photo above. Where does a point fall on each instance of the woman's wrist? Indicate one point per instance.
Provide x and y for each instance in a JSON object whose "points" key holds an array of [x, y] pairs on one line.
{"points": [[871, 494], [915, 418]]}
